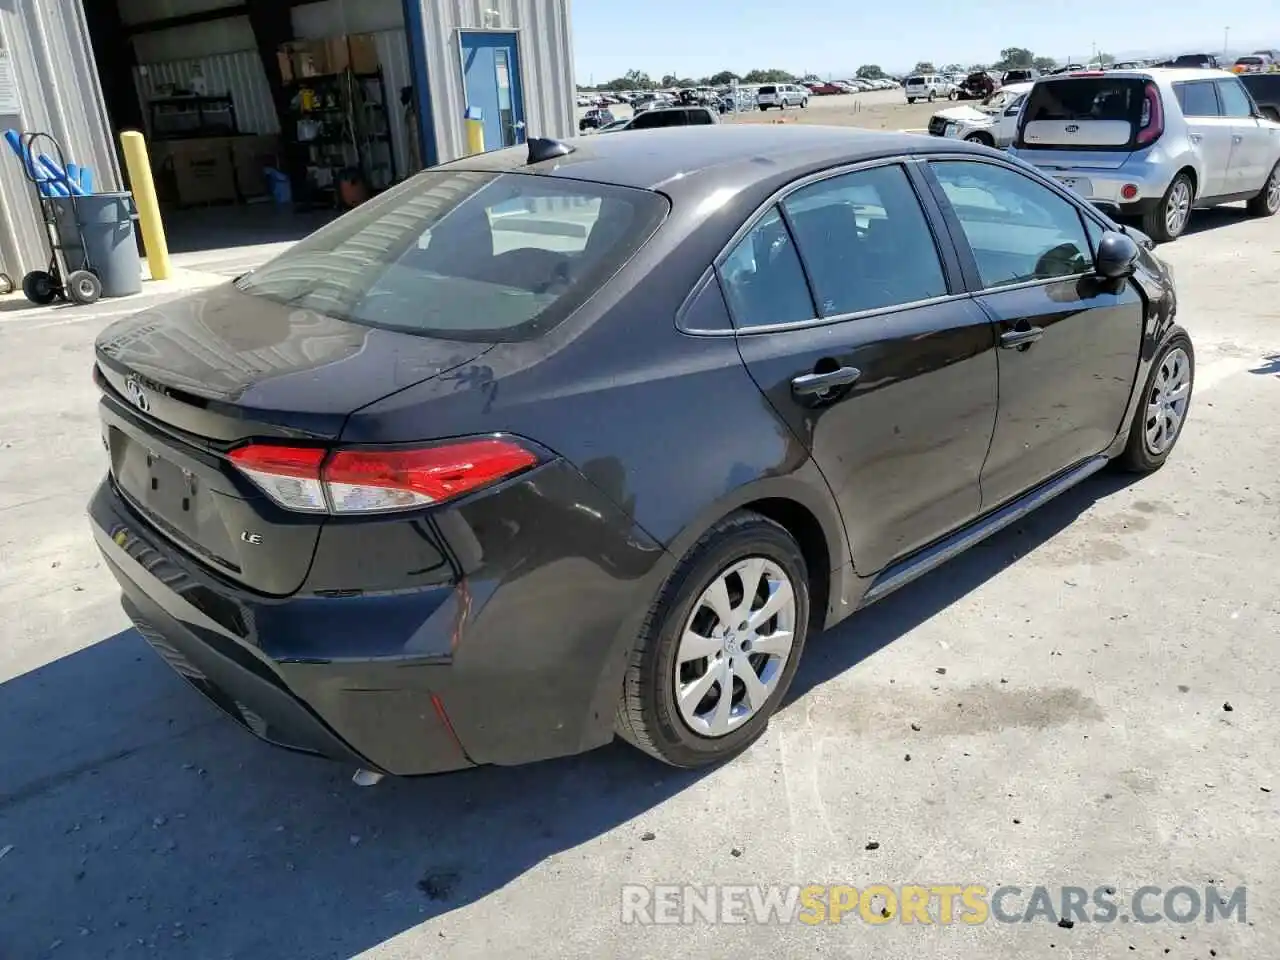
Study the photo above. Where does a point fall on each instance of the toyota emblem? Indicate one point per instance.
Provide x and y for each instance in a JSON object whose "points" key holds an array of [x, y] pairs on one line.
{"points": [[1072, 128], [137, 394]]}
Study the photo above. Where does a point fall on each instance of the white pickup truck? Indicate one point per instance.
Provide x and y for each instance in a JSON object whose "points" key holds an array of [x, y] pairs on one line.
{"points": [[994, 121]]}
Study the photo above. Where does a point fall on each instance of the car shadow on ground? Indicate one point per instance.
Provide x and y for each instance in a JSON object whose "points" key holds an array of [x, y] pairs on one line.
{"points": [[1216, 217], [138, 818]]}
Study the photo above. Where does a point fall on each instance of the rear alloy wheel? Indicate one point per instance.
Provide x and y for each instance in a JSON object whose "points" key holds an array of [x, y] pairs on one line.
{"points": [[720, 646], [1267, 202], [1169, 217], [1162, 411]]}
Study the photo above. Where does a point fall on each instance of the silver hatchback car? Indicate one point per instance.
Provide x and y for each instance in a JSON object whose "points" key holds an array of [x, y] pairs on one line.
{"points": [[1156, 143]]}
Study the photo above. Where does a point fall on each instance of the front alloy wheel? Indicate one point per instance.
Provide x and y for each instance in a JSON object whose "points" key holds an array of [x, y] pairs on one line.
{"points": [[1162, 411]]}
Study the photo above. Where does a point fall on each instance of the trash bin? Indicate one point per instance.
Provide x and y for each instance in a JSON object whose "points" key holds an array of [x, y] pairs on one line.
{"points": [[104, 238]]}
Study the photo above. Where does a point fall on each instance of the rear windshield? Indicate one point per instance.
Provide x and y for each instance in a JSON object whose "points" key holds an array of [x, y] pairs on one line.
{"points": [[914, 80], [465, 255], [768, 90], [1250, 61], [1079, 100]]}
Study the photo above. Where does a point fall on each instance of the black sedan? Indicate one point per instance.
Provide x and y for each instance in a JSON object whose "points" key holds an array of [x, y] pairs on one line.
{"points": [[586, 438]]}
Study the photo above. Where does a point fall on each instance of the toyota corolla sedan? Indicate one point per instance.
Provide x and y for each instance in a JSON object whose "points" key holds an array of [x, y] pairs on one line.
{"points": [[586, 438]]}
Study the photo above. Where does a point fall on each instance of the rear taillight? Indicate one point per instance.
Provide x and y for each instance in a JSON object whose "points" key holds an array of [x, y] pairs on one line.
{"points": [[1151, 125], [354, 481]]}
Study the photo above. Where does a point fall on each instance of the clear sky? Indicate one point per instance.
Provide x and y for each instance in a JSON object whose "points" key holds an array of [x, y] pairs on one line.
{"points": [[695, 38]]}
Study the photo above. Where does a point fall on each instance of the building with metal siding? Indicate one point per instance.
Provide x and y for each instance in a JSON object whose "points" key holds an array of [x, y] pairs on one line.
{"points": [[45, 43], [512, 58]]}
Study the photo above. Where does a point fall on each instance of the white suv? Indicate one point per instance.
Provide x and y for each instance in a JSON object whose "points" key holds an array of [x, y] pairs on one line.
{"points": [[930, 86], [1156, 143], [782, 95]]}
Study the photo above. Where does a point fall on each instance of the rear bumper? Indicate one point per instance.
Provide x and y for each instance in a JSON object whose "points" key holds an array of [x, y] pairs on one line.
{"points": [[406, 682]]}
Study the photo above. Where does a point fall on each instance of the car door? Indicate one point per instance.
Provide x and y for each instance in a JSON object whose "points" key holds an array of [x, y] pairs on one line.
{"points": [[1211, 134], [1006, 125], [1255, 143], [851, 319], [1070, 340]]}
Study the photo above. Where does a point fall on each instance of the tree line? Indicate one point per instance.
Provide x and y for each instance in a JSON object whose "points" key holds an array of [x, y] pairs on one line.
{"points": [[1011, 58]]}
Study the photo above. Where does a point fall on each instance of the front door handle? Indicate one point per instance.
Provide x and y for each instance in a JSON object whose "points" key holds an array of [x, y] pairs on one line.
{"points": [[1236, 138], [1196, 137], [813, 383], [1022, 335]]}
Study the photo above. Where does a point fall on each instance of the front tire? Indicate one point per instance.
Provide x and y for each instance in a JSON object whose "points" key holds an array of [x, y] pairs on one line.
{"points": [[981, 138], [1165, 223], [1162, 411], [720, 645], [1267, 202], [953, 95]]}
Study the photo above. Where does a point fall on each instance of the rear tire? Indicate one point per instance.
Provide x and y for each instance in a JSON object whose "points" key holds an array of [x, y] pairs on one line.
{"points": [[1267, 202], [650, 715], [1176, 364], [953, 95], [1160, 224], [932, 96], [911, 99]]}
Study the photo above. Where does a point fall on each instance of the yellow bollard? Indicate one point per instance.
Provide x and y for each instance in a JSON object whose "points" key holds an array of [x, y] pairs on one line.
{"points": [[134, 146], [474, 122]]}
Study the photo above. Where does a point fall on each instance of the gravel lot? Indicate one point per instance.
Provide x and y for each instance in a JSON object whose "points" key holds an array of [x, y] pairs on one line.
{"points": [[1062, 693]]}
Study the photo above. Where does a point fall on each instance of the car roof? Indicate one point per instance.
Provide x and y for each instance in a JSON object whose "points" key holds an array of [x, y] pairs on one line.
{"points": [[1169, 74], [695, 160]]}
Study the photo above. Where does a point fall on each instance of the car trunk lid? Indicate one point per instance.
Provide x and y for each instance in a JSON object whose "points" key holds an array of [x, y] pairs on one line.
{"points": [[186, 382]]}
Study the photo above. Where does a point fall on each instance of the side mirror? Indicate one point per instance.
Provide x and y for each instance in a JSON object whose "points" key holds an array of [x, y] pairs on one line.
{"points": [[1117, 256]]}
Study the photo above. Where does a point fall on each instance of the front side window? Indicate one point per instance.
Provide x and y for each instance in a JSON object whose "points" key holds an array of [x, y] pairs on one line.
{"points": [[1019, 230], [762, 278], [1235, 101], [465, 255], [1197, 98], [865, 241]]}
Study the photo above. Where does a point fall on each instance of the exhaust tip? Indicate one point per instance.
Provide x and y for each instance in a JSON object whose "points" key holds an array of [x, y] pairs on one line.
{"points": [[366, 778]]}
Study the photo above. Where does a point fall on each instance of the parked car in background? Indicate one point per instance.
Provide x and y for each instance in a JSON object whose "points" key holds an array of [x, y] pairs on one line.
{"points": [[1253, 63], [781, 96], [1265, 90], [1192, 61], [979, 85], [615, 126], [595, 118], [1156, 143], [929, 86], [1020, 75], [452, 521], [826, 89], [992, 123], [673, 117]]}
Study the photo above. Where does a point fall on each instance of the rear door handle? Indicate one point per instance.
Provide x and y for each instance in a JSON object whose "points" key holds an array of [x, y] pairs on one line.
{"points": [[1021, 337], [1236, 138], [1196, 137], [812, 383]]}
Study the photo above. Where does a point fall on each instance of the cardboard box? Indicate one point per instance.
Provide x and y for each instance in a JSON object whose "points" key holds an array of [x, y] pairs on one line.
{"points": [[202, 170], [364, 52], [285, 59]]}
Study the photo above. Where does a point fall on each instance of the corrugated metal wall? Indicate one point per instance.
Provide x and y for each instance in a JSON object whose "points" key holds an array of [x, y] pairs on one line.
{"points": [[238, 74], [546, 63], [47, 41]]}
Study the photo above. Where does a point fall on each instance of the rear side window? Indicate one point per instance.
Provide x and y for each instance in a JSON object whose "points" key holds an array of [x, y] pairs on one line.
{"points": [[865, 242], [465, 255], [762, 278], [699, 117], [1018, 230], [1235, 102], [1197, 98]]}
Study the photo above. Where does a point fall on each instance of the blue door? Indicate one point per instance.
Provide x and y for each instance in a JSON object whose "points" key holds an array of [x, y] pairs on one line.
{"points": [[491, 79]]}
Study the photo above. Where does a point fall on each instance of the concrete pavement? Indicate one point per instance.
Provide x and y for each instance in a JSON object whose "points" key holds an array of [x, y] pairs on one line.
{"points": [[1061, 693]]}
